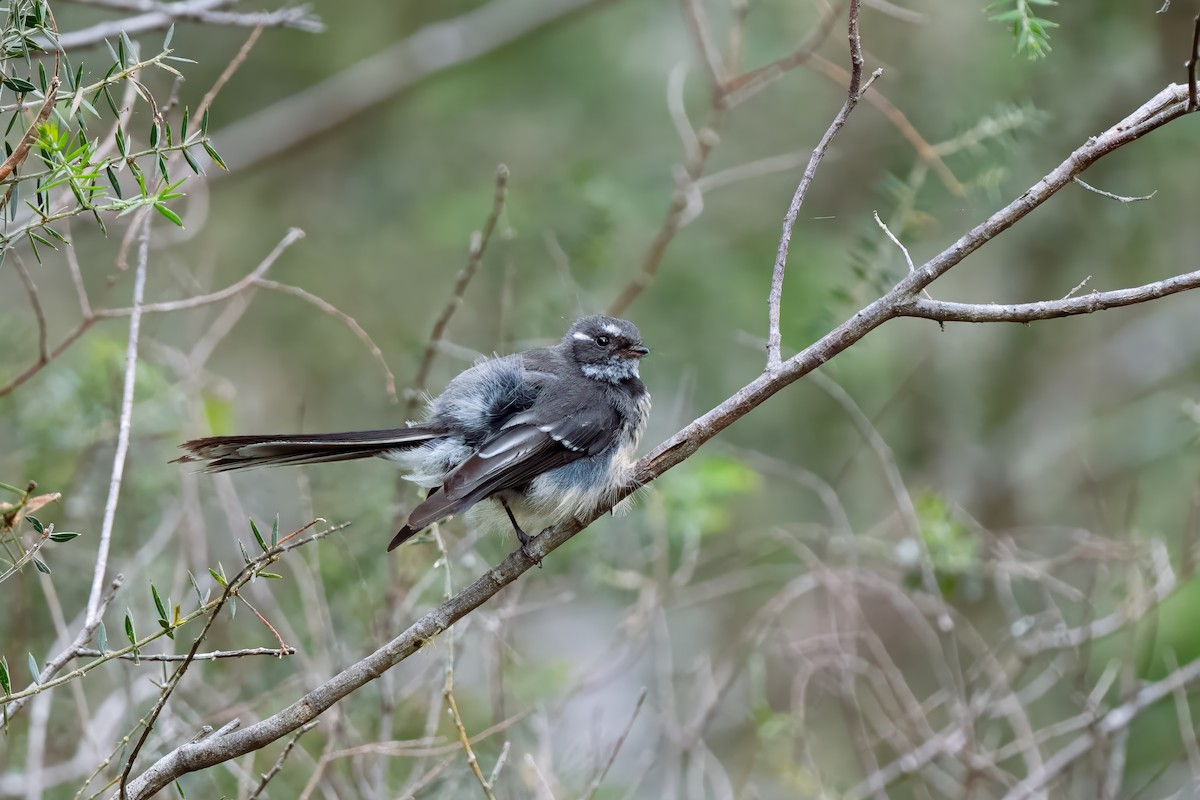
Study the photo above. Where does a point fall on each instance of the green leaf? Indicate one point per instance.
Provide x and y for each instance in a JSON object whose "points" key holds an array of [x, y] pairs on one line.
{"points": [[213, 155], [154, 134], [183, 125], [245, 552], [168, 213], [5, 684], [102, 638], [33, 668], [63, 536], [204, 123], [41, 566], [112, 179], [120, 137], [129, 631], [167, 39], [9, 488], [196, 588], [257, 536], [36, 523], [275, 531], [217, 576], [18, 85], [274, 575], [158, 603], [191, 162]]}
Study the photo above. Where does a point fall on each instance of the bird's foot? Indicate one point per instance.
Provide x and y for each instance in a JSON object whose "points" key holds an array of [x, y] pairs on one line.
{"points": [[526, 540]]}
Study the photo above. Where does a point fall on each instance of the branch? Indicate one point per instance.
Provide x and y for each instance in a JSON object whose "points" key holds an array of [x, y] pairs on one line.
{"points": [[21, 151], [125, 424], [479, 242], [943, 311], [853, 93], [87, 652], [313, 111], [160, 16]]}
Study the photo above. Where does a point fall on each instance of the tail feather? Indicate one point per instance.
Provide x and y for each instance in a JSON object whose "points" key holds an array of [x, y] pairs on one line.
{"points": [[436, 506], [225, 453]]}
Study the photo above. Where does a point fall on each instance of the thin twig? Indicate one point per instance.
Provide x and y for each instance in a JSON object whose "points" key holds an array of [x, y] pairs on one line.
{"points": [[774, 337], [275, 652], [1191, 66], [347, 320], [899, 120], [124, 425], [21, 151], [165, 15], [35, 303], [594, 786], [944, 311], [228, 72], [278, 765], [479, 243], [1111, 196]]}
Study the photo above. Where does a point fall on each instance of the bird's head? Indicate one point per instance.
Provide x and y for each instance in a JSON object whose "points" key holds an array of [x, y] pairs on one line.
{"points": [[606, 348]]}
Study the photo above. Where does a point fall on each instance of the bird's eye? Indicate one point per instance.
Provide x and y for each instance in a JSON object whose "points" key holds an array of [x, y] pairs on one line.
{"points": [[602, 341]]}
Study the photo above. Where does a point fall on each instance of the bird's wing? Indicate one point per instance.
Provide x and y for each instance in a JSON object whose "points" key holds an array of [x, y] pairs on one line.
{"points": [[531, 444]]}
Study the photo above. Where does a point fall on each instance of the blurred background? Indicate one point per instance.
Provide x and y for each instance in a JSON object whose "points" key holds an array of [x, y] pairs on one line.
{"points": [[1068, 447]]}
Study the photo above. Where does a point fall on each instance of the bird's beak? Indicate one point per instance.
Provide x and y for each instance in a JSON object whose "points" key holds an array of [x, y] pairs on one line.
{"points": [[637, 351]]}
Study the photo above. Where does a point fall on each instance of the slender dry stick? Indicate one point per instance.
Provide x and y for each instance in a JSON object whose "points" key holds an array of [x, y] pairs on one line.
{"points": [[594, 786], [21, 151], [347, 320], [479, 243], [943, 311], [448, 684], [91, 317], [1166, 106], [1191, 66], [124, 425], [853, 93], [278, 765], [275, 652], [35, 303], [925, 151]]}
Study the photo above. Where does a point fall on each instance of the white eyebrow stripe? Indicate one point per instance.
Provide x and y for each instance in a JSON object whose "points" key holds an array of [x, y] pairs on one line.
{"points": [[613, 329], [583, 337]]}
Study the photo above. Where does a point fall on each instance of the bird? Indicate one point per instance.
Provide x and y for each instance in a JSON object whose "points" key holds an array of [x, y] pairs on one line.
{"points": [[532, 439]]}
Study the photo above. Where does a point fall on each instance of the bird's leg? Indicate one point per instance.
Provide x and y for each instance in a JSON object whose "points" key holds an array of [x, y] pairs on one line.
{"points": [[522, 536]]}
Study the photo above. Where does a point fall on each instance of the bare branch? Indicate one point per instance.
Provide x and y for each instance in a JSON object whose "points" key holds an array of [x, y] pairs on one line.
{"points": [[251, 279], [1103, 725], [124, 425], [479, 243], [278, 765], [1191, 66], [944, 311], [853, 94], [347, 320], [21, 151], [35, 303], [373, 80], [160, 16], [1111, 196], [594, 786], [275, 652]]}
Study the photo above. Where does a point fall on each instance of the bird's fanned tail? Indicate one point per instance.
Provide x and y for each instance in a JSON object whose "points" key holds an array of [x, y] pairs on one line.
{"points": [[225, 453]]}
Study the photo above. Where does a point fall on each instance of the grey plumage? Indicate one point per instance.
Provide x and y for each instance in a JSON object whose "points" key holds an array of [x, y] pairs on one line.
{"points": [[545, 435]]}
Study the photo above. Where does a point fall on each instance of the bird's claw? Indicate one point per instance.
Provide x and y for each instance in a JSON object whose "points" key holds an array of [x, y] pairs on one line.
{"points": [[526, 540]]}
